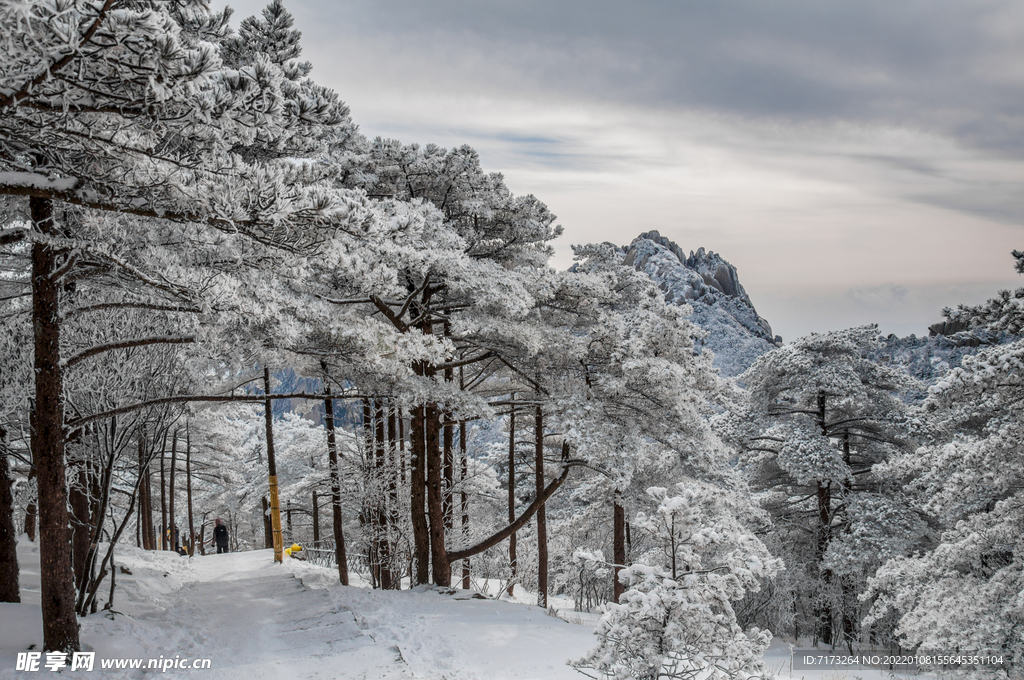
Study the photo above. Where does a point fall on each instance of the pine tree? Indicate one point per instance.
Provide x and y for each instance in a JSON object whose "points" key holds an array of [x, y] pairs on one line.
{"points": [[969, 477], [817, 414], [127, 107]]}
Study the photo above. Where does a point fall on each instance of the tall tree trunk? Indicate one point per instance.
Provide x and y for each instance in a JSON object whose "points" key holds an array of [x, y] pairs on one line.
{"points": [[163, 496], [401, 446], [9, 590], [417, 497], [512, 494], [824, 498], [188, 489], [147, 516], [332, 461], [392, 469], [448, 442], [172, 527], [438, 550], [464, 498], [57, 578], [143, 500], [275, 503], [542, 524], [619, 546], [380, 513]]}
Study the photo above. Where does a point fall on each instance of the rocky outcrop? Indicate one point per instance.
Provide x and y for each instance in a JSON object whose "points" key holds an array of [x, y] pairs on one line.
{"points": [[736, 333]]}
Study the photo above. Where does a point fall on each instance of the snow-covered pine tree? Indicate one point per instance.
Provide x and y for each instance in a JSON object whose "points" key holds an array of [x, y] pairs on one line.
{"points": [[127, 107], [676, 621], [816, 415], [969, 476], [1004, 313]]}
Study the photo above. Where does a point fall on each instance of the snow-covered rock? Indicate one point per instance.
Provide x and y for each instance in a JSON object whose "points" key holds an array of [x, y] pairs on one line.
{"points": [[736, 333]]}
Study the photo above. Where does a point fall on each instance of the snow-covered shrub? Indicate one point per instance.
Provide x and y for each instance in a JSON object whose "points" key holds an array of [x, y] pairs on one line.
{"points": [[668, 628]]}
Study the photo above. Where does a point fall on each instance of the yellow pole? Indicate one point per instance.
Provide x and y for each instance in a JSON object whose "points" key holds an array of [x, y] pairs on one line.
{"points": [[275, 504], [275, 520]]}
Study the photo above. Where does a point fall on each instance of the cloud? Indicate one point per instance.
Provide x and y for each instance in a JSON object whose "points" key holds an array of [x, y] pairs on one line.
{"points": [[818, 146]]}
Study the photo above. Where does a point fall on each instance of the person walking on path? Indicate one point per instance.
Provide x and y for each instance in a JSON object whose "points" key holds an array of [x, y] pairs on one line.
{"points": [[220, 535]]}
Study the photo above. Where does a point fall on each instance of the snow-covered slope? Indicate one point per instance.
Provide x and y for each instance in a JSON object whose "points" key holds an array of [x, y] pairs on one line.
{"points": [[256, 619], [736, 333]]}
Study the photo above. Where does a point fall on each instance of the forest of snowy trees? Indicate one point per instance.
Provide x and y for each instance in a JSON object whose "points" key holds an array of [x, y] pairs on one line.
{"points": [[219, 300]]}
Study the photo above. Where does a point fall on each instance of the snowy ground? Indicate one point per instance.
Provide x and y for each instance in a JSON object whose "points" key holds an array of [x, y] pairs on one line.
{"points": [[255, 619]]}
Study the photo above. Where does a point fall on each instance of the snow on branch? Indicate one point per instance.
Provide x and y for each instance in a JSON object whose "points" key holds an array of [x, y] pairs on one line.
{"points": [[125, 344]]}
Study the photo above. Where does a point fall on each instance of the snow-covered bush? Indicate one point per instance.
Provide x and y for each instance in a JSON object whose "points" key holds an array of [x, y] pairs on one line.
{"points": [[670, 626]]}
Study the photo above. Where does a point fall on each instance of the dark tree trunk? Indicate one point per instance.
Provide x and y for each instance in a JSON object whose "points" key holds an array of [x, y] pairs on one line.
{"points": [[9, 590], [542, 525], [147, 516], [401, 447], [57, 578], [448, 480], [172, 525], [81, 527], [188, 489], [619, 547], [163, 496], [417, 496], [463, 474], [143, 500], [824, 497], [438, 550], [275, 503], [512, 494], [316, 521], [380, 513], [392, 468], [332, 461]]}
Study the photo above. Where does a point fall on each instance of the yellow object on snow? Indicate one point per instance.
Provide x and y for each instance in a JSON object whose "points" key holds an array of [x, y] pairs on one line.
{"points": [[292, 550]]}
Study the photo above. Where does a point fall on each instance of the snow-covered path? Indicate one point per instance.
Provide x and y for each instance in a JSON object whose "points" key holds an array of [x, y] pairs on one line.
{"points": [[255, 619]]}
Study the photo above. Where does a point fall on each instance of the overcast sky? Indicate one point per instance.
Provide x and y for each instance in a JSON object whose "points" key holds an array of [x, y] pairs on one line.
{"points": [[856, 161]]}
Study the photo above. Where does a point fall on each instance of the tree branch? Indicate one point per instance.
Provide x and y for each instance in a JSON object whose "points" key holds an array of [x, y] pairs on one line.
{"points": [[181, 399], [124, 344], [531, 510]]}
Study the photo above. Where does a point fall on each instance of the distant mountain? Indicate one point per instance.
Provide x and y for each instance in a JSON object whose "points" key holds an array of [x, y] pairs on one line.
{"points": [[736, 333]]}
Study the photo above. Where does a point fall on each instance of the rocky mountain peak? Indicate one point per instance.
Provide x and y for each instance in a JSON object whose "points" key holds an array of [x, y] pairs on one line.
{"points": [[704, 279]]}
